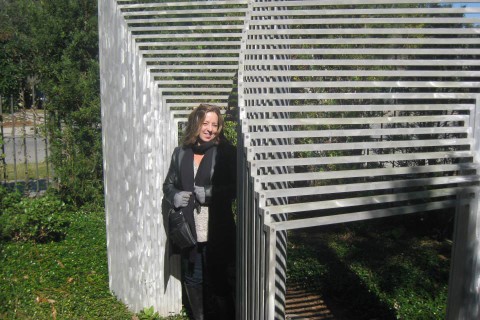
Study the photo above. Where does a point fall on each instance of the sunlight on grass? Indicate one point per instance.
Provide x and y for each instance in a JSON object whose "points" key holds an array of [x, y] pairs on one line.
{"points": [[33, 171]]}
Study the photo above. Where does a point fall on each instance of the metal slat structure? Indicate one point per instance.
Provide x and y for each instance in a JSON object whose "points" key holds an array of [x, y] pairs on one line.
{"points": [[354, 110], [349, 110], [159, 60]]}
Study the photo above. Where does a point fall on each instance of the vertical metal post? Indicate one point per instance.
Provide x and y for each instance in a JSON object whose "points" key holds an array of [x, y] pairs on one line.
{"points": [[35, 132], [464, 282], [464, 286], [270, 287], [242, 216], [2, 137], [47, 180], [12, 114], [24, 138]]}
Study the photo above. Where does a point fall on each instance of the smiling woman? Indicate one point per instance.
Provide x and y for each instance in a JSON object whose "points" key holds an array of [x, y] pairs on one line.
{"points": [[201, 182], [209, 128]]}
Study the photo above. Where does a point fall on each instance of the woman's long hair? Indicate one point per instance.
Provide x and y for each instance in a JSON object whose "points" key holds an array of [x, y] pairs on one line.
{"points": [[195, 121]]}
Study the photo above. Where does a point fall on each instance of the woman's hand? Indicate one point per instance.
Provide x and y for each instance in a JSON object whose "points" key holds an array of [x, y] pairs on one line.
{"points": [[180, 199], [200, 194]]}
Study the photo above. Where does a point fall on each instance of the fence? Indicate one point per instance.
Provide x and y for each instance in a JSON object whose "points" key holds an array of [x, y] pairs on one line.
{"points": [[24, 145], [349, 110]]}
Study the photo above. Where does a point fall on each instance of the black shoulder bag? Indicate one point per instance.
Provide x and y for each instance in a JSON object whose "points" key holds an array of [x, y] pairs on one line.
{"points": [[179, 231]]}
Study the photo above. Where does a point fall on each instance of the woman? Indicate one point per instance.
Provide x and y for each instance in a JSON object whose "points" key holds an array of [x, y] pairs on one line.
{"points": [[202, 181]]}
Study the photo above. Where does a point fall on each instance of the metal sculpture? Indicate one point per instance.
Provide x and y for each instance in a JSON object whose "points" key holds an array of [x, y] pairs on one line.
{"points": [[349, 110]]}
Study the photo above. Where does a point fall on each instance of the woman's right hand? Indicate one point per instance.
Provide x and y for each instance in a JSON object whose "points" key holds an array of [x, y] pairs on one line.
{"points": [[180, 199]]}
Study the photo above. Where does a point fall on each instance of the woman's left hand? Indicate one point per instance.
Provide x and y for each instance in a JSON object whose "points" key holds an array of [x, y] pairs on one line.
{"points": [[199, 194]]}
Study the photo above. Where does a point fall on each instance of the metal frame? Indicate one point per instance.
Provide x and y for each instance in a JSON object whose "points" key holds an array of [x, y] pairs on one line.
{"points": [[348, 110]]}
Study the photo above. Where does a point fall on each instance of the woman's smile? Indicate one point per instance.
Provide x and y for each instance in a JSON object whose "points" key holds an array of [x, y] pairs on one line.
{"points": [[209, 127]]}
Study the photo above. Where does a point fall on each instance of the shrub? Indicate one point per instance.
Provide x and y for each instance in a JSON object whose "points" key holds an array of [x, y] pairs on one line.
{"points": [[8, 198], [35, 219]]}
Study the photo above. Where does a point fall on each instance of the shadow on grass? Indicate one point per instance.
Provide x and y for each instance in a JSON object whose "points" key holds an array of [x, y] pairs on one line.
{"points": [[374, 270], [344, 294]]}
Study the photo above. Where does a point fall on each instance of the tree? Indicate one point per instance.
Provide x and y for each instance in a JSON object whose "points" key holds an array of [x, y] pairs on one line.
{"points": [[58, 41], [16, 47], [70, 72]]}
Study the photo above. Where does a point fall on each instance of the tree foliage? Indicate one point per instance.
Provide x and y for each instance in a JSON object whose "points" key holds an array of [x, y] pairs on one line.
{"points": [[57, 41]]}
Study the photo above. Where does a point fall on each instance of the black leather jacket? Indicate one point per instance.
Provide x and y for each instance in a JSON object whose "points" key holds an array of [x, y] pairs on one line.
{"points": [[173, 185], [221, 193]]}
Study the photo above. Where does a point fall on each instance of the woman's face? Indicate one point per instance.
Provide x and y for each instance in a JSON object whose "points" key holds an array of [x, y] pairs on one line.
{"points": [[209, 127]]}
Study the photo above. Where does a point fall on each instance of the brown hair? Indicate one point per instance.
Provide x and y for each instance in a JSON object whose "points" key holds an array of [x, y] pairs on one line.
{"points": [[195, 120]]}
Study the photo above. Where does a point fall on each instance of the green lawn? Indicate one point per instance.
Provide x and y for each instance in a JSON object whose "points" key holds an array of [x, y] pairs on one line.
{"points": [[386, 269], [66, 279], [32, 171], [63, 280]]}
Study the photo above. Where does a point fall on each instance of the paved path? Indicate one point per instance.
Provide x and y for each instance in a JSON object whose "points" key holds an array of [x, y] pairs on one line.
{"points": [[16, 148], [15, 145]]}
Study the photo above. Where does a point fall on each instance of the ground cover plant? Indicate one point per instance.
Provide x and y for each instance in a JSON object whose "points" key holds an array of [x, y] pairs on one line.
{"points": [[387, 269], [395, 268], [63, 277]]}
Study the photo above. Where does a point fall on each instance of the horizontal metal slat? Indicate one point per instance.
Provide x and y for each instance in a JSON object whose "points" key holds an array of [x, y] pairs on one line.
{"points": [[143, 36], [360, 216], [251, 136], [366, 31], [348, 2], [203, 98], [167, 90], [192, 67], [359, 107], [186, 28], [186, 59], [190, 51], [370, 186], [361, 21], [129, 5], [357, 95], [361, 51], [359, 120], [364, 173], [187, 20], [183, 44], [167, 83], [358, 159], [273, 61], [366, 84], [366, 41], [356, 145], [362, 201], [288, 11], [195, 74], [188, 11], [360, 73]]}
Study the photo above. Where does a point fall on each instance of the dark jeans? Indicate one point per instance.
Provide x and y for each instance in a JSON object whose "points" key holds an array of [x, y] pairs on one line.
{"points": [[193, 272], [217, 299]]}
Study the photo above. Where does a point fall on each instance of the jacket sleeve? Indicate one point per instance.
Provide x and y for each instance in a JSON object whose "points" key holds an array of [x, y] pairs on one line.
{"points": [[169, 187]]}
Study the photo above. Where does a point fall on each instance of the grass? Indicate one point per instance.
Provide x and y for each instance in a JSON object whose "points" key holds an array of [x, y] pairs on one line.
{"points": [[374, 269], [7, 172], [385, 269], [61, 280]]}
